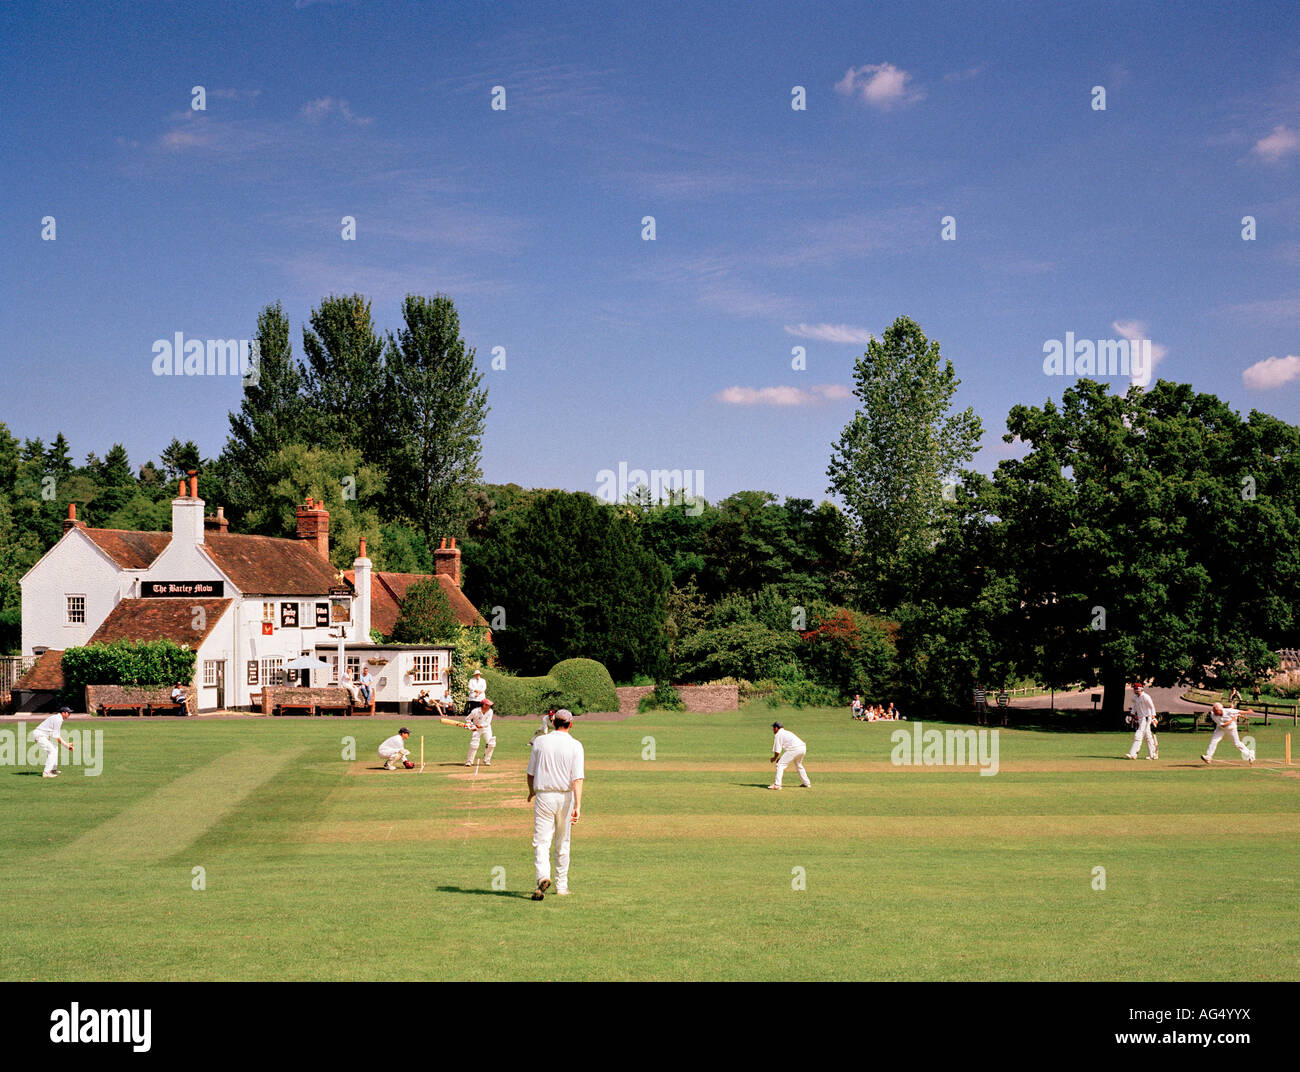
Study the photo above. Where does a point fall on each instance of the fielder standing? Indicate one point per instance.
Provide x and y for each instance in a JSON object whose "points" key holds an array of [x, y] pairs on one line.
{"points": [[1225, 721], [555, 774], [787, 749], [49, 736], [1143, 714], [479, 723]]}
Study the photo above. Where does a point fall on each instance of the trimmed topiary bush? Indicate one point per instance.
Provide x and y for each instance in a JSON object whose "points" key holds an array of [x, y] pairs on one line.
{"points": [[581, 685], [512, 695], [585, 685]]}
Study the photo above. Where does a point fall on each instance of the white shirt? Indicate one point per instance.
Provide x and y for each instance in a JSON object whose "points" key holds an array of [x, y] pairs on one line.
{"points": [[477, 688], [480, 719], [393, 744], [1143, 707], [52, 726], [784, 740], [1228, 718], [555, 763]]}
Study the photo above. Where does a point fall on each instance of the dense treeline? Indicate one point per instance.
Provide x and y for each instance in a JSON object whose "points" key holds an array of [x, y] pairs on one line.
{"points": [[1146, 534]]}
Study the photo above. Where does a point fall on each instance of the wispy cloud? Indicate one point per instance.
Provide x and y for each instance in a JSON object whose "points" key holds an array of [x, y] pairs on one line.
{"points": [[1282, 142], [320, 109], [1271, 309], [783, 396], [829, 332], [880, 85], [234, 94], [1271, 373], [964, 76], [1135, 330]]}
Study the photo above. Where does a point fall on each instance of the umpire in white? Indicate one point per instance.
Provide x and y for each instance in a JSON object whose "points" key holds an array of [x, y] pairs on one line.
{"points": [[555, 773], [1143, 716]]}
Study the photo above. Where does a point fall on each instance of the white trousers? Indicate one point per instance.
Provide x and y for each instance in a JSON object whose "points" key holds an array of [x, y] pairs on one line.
{"points": [[1230, 731], [551, 812], [473, 746], [51, 751], [1143, 733], [788, 757]]}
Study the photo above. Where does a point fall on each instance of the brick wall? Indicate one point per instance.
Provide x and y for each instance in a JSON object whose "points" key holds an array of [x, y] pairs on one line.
{"points": [[700, 698]]}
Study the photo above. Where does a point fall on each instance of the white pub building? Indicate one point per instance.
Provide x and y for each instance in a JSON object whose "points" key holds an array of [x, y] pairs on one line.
{"points": [[249, 605]]}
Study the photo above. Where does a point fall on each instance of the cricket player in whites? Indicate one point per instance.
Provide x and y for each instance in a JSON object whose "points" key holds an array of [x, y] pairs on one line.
{"points": [[1225, 721], [479, 723], [555, 774], [49, 736], [787, 749], [1143, 715], [394, 750]]}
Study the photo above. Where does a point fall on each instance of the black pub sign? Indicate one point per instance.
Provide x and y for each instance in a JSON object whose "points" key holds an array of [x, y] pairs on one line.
{"points": [[182, 589], [288, 615]]}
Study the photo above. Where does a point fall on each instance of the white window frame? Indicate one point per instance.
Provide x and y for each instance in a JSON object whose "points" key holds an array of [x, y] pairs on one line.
{"points": [[68, 619], [268, 613], [273, 671], [307, 617], [426, 670], [209, 673]]}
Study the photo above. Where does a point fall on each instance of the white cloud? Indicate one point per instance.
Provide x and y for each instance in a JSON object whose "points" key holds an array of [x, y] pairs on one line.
{"points": [[783, 396], [1135, 331], [1272, 372], [322, 107], [1274, 146], [829, 332], [881, 85]]}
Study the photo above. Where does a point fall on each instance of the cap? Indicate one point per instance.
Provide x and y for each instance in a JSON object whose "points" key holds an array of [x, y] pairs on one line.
{"points": [[65, 710], [477, 673], [777, 726], [563, 715], [486, 703]]}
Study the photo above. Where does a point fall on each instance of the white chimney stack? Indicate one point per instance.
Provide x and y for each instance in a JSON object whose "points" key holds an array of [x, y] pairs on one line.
{"points": [[361, 607], [187, 513]]}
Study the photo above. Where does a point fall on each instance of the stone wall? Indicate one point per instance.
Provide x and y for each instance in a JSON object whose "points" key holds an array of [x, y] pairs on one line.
{"points": [[703, 699]]}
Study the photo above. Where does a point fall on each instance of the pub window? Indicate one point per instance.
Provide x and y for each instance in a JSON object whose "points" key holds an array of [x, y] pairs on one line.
{"points": [[76, 610], [426, 669], [210, 673], [268, 612], [307, 617], [273, 671]]}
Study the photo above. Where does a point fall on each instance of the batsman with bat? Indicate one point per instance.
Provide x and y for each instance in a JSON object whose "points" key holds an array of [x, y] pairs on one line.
{"points": [[479, 723]]}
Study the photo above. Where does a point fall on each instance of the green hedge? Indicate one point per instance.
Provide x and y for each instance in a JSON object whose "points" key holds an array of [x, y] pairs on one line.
{"points": [[586, 685], [127, 662], [581, 685]]}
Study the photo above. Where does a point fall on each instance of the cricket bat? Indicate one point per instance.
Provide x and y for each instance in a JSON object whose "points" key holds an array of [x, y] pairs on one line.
{"points": [[453, 722]]}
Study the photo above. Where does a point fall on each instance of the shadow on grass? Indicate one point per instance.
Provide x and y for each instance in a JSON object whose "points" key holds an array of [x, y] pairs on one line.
{"points": [[28, 773], [488, 893]]}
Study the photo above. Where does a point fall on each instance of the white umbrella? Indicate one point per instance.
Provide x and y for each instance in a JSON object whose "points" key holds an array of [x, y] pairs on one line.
{"points": [[306, 662]]}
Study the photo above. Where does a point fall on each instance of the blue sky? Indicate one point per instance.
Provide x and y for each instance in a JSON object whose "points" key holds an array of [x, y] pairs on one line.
{"points": [[774, 227]]}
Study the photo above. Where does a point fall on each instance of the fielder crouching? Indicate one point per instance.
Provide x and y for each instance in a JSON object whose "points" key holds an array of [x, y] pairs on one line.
{"points": [[394, 751]]}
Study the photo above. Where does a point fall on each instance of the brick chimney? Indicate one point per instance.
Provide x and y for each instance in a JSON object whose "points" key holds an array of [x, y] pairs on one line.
{"points": [[314, 526], [187, 512], [447, 560], [71, 522], [219, 524]]}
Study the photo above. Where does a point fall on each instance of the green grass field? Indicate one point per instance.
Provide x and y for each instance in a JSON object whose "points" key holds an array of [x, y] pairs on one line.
{"points": [[684, 866]]}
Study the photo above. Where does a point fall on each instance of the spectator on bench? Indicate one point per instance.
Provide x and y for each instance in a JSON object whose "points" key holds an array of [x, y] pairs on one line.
{"points": [[179, 698]]}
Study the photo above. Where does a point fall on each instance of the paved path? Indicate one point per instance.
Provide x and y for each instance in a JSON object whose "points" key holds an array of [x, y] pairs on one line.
{"points": [[1165, 700]]}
